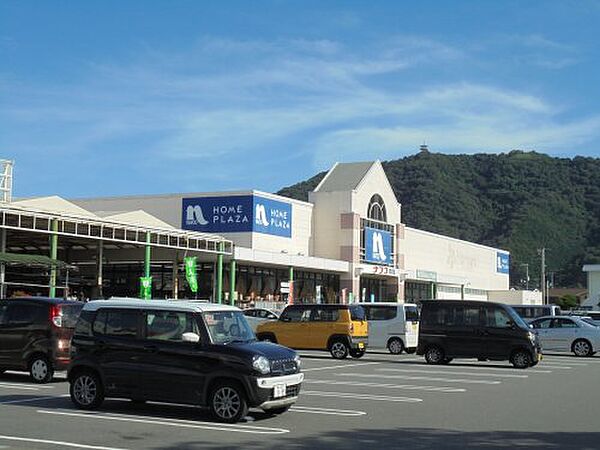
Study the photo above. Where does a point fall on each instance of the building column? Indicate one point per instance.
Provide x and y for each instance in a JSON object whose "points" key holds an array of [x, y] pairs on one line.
{"points": [[432, 290], [462, 291], [220, 274], [2, 266], [175, 277], [99, 268], [232, 281], [53, 256]]}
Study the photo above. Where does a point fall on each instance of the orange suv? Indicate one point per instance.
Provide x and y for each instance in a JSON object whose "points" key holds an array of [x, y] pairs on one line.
{"points": [[340, 329]]}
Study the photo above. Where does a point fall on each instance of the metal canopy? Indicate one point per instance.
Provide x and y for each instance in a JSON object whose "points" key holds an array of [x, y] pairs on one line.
{"points": [[26, 218], [32, 260]]}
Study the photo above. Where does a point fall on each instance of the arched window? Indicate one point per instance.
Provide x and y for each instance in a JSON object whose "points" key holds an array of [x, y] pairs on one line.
{"points": [[376, 210]]}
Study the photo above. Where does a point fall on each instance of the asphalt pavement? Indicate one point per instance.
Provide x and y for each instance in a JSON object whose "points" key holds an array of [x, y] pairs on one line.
{"points": [[378, 401]]}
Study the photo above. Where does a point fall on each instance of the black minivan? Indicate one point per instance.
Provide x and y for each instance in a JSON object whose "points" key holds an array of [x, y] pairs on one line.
{"points": [[474, 329], [35, 335], [179, 352]]}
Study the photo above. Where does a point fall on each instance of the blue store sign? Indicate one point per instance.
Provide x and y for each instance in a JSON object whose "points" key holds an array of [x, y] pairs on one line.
{"points": [[502, 262], [378, 246], [237, 214]]}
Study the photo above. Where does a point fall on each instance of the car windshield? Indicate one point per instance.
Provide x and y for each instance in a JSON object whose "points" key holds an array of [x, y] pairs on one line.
{"points": [[517, 318], [589, 321], [226, 327]]}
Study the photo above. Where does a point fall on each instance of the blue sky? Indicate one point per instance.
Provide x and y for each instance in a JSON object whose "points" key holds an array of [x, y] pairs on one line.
{"points": [[129, 97]]}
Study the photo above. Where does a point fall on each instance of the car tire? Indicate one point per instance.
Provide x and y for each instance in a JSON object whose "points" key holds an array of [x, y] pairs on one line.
{"points": [[410, 351], [86, 390], [395, 346], [339, 349], [521, 359], [277, 411], [228, 402], [582, 347], [357, 354], [447, 361], [40, 369], [434, 355]]}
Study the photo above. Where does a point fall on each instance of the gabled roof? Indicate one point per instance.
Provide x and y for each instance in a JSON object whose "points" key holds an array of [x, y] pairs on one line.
{"points": [[344, 177], [55, 203], [139, 218]]}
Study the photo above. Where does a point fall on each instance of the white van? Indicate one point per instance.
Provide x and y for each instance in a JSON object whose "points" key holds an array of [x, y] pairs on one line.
{"points": [[530, 312], [393, 326]]}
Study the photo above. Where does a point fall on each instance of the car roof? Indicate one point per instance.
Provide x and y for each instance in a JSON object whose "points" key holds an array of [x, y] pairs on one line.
{"points": [[321, 305], [170, 305], [557, 317], [48, 300], [462, 302], [385, 304]]}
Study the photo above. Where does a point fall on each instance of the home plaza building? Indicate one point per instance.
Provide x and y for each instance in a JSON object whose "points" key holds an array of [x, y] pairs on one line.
{"points": [[347, 243]]}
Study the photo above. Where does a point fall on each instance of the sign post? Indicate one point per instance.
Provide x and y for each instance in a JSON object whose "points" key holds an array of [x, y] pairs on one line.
{"points": [[145, 288]]}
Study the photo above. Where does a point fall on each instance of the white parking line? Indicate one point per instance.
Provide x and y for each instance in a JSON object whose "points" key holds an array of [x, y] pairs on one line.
{"points": [[327, 411], [549, 366], [382, 398], [231, 428], [409, 387], [341, 366], [407, 377], [452, 372], [21, 388], [60, 443], [34, 399]]}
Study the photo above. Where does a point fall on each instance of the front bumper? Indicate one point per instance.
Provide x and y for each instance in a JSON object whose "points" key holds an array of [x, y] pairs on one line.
{"points": [[265, 391]]}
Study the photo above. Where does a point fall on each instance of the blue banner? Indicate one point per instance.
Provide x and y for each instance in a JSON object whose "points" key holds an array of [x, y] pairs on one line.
{"points": [[217, 214], [502, 262], [378, 246], [237, 214], [272, 217]]}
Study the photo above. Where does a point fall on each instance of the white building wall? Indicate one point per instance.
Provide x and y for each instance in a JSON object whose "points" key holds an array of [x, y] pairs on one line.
{"points": [[454, 262], [376, 182], [327, 235], [593, 285], [514, 297]]}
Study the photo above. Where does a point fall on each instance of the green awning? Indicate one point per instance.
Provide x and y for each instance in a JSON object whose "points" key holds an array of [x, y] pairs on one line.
{"points": [[19, 259]]}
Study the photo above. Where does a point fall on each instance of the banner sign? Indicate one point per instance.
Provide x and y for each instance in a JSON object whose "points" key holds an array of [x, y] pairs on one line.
{"points": [[190, 272], [237, 214], [378, 246], [145, 288], [502, 263]]}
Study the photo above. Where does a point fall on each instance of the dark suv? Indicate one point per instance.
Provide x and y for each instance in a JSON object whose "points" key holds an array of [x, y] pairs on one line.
{"points": [[470, 329], [179, 352], [35, 335]]}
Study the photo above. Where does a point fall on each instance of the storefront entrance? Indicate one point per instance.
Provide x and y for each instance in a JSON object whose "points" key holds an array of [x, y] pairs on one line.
{"points": [[373, 290]]}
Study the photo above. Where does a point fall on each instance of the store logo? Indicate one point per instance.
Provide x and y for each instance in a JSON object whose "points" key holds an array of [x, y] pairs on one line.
{"points": [[261, 215], [194, 216], [378, 250]]}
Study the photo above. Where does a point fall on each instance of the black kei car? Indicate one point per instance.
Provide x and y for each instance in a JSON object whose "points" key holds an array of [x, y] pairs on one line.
{"points": [[474, 329], [179, 352], [35, 335]]}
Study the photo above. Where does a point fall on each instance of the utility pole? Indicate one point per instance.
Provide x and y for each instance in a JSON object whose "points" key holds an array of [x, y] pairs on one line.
{"points": [[526, 276], [543, 275]]}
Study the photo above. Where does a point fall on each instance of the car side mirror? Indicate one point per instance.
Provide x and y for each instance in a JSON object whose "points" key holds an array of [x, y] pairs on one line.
{"points": [[190, 337]]}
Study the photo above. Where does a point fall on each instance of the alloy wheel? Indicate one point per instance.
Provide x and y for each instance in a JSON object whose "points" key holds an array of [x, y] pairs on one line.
{"points": [[85, 390], [395, 347], [581, 348], [226, 402], [338, 350]]}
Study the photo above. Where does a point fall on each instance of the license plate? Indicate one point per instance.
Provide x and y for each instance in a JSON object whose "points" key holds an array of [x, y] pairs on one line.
{"points": [[540, 357], [361, 345], [279, 390]]}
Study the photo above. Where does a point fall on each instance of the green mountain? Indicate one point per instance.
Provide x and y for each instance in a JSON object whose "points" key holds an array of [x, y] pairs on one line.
{"points": [[518, 201]]}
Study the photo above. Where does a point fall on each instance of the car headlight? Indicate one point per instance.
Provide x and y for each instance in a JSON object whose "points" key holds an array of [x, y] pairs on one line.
{"points": [[531, 336], [298, 361], [261, 364]]}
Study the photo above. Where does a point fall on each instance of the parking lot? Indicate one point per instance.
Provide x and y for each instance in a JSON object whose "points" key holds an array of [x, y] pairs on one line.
{"points": [[376, 401]]}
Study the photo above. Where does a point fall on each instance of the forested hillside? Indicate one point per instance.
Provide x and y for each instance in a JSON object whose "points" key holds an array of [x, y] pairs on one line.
{"points": [[519, 201]]}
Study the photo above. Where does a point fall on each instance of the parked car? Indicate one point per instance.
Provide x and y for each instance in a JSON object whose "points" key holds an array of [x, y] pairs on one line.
{"points": [[471, 329], [35, 335], [393, 326], [340, 329], [531, 312], [592, 315], [567, 333], [256, 316], [179, 352]]}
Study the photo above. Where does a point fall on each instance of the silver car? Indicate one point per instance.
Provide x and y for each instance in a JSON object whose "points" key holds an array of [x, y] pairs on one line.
{"points": [[256, 316], [567, 334]]}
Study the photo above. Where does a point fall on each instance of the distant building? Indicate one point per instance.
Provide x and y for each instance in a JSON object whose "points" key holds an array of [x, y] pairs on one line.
{"points": [[593, 285], [555, 294]]}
